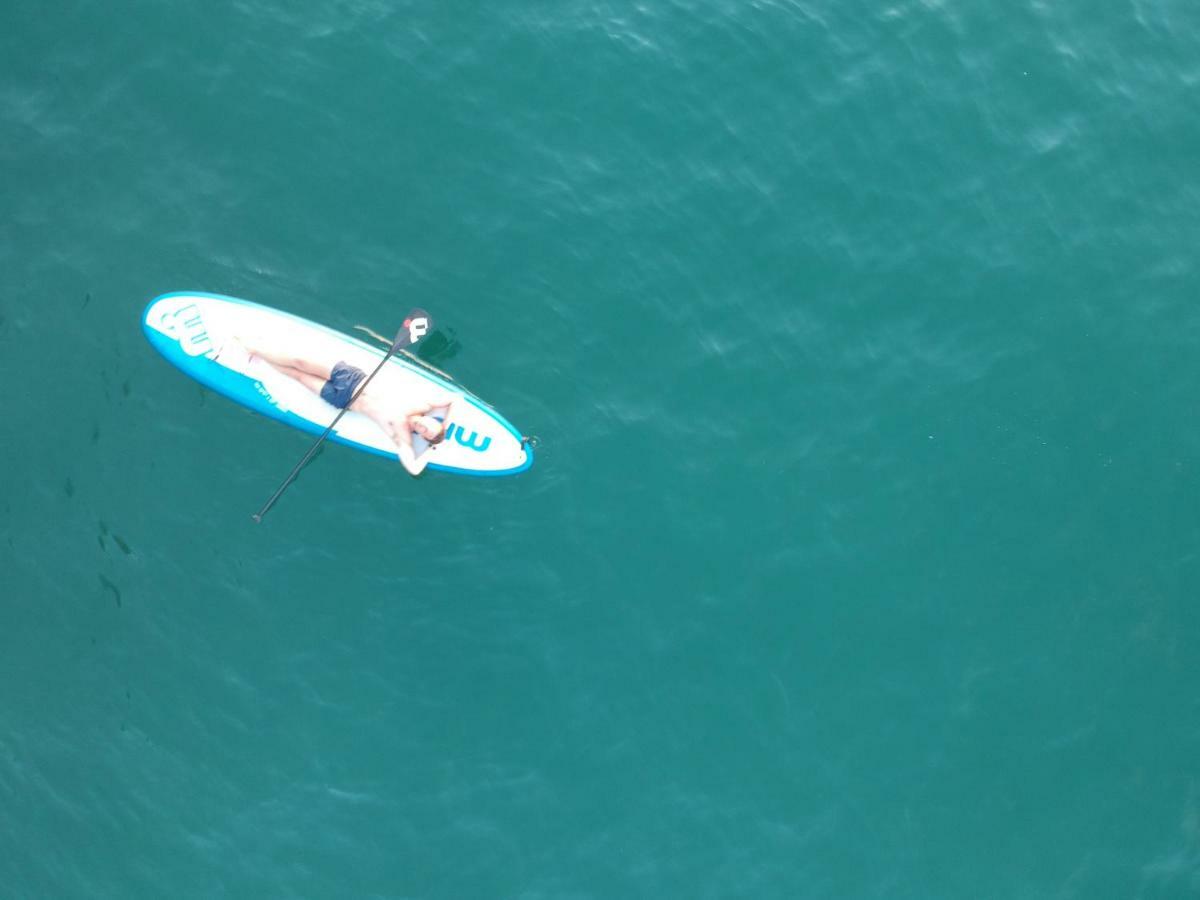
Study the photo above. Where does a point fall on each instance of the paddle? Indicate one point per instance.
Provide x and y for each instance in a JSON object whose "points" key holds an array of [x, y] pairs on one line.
{"points": [[415, 327]]}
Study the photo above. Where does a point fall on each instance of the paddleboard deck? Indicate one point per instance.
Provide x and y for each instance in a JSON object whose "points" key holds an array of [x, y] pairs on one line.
{"points": [[193, 331]]}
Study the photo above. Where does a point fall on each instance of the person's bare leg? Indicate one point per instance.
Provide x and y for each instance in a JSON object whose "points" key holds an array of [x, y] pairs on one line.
{"points": [[281, 361], [313, 382]]}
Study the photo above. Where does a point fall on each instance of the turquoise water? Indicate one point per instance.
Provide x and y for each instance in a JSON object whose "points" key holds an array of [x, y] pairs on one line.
{"points": [[859, 557]]}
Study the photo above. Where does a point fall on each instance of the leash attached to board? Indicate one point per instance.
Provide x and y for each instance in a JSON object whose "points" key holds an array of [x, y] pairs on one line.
{"points": [[416, 326]]}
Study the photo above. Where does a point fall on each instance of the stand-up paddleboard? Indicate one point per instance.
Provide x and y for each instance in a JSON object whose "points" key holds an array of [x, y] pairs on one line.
{"points": [[192, 330]]}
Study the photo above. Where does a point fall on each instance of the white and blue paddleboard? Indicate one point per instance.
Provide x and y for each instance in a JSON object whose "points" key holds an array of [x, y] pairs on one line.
{"points": [[189, 328]]}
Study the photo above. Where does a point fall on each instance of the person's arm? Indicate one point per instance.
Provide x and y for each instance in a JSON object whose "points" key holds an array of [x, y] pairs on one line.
{"points": [[444, 402], [404, 449], [425, 407], [448, 405]]}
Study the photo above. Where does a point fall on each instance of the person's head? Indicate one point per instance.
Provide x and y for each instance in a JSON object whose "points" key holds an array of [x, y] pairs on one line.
{"points": [[429, 428]]}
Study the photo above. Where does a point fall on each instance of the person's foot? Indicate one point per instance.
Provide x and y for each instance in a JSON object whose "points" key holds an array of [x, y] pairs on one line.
{"points": [[233, 354]]}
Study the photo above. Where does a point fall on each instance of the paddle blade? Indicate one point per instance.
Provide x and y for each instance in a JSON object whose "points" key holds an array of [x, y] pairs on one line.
{"points": [[418, 324]]}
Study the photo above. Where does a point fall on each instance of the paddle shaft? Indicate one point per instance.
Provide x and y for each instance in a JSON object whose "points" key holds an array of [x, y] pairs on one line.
{"points": [[258, 516]]}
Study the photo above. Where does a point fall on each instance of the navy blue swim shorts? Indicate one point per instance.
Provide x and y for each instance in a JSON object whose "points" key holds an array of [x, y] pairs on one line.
{"points": [[342, 383]]}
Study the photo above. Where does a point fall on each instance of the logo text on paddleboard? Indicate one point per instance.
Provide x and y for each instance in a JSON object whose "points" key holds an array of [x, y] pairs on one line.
{"points": [[456, 432], [187, 326]]}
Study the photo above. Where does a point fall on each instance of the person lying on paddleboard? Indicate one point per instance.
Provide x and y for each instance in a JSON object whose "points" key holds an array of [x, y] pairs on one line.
{"points": [[336, 383]]}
